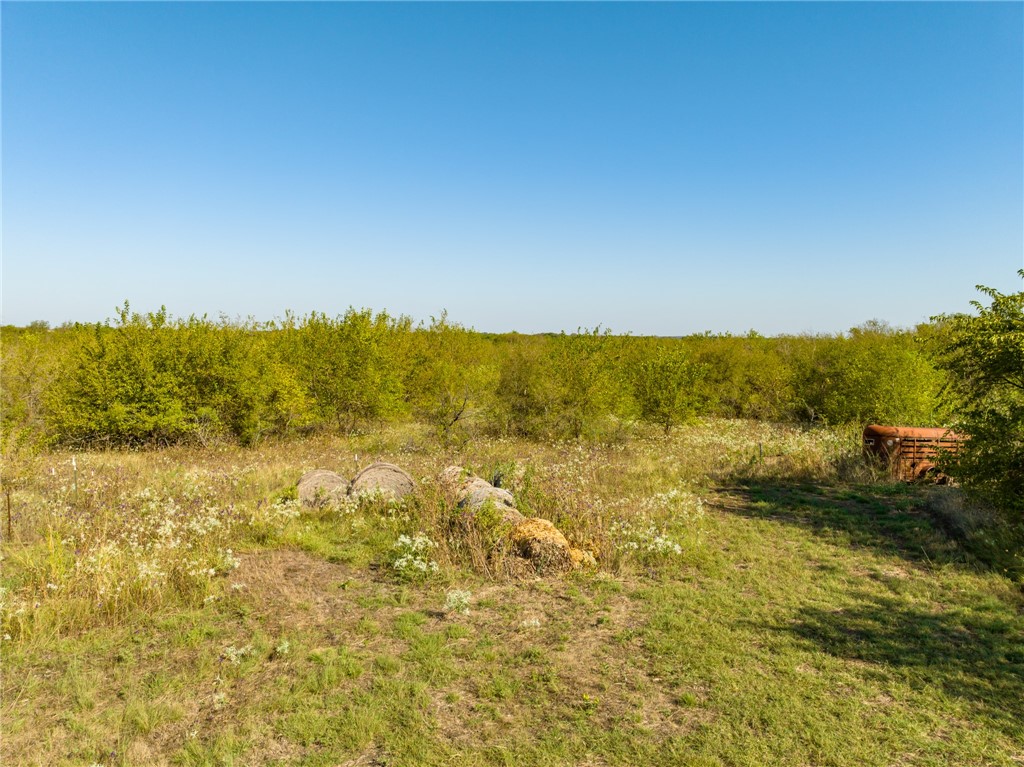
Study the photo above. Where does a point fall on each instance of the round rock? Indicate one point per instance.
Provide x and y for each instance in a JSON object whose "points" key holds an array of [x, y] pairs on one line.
{"points": [[471, 493], [384, 478], [475, 492], [320, 486], [451, 478]]}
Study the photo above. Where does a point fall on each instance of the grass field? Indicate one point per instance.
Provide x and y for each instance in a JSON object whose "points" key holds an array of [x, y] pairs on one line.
{"points": [[761, 598]]}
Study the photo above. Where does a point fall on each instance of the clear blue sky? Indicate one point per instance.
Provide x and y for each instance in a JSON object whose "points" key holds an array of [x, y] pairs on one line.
{"points": [[654, 168]]}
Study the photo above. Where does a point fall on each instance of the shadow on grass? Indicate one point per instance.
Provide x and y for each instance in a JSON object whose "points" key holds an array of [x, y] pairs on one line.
{"points": [[976, 655], [889, 519], [973, 649]]}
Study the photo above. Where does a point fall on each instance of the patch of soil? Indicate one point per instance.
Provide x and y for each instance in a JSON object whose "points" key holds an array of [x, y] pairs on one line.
{"points": [[581, 649], [293, 588]]}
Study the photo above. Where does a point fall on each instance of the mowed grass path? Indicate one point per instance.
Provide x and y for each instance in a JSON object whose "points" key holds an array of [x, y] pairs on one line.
{"points": [[809, 625]]}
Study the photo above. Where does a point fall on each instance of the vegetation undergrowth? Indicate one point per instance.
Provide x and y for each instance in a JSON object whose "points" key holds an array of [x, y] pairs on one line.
{"points": [[761, 596]]}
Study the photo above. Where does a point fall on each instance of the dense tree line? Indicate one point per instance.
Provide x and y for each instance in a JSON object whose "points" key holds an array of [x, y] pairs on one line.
{"points": [[150, 379]]}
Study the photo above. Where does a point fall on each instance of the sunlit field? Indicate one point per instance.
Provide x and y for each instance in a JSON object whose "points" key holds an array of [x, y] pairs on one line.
{"points": [[511, 384], [760, 596]]}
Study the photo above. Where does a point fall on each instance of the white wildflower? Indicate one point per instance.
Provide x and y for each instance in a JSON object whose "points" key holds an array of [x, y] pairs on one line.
{"points": [[457, 601], [411, 557], [235, 655]]}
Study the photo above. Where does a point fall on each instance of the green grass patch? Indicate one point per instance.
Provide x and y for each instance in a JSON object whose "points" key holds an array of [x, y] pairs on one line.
{"points": [[798, 622]]}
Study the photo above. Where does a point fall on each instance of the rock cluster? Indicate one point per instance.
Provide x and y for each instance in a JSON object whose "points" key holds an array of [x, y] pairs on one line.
{"points": [[532, 538], [471, 493], [319, 487]]}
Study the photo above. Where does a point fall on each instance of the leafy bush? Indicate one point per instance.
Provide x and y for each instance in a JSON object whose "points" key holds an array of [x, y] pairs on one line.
{"points": [[525, 396], [148, 380], [874, 375], [121, 387], [345, 365], [664, 382], [745, 377], [29, 361], [449, 375], [587, 372], [983, 355]]}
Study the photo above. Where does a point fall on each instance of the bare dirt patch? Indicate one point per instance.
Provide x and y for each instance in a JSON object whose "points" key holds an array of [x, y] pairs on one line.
{"points": [[293, 588], [561, 646]]}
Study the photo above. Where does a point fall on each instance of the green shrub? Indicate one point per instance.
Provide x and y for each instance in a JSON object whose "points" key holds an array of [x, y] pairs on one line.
{"points": [[29, 361], [874, 375], [121, 386], [983, 355], [345, 366], [525, 400], [665, 384], [148, 380], [449, 376], [586, 368], [745, 377]]}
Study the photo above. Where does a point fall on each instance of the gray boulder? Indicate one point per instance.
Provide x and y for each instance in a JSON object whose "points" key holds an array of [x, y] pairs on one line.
{"points": [[471, 493], [384, 478], [320, 487]]}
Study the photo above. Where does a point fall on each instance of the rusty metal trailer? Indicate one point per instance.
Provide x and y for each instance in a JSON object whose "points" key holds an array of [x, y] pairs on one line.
{"points": [[910, 452]]}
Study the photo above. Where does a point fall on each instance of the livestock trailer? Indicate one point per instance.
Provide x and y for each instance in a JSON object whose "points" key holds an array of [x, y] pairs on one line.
{"points": [[910, 453]]}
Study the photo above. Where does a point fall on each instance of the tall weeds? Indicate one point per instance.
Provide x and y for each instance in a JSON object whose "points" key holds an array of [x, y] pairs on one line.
{"points": [[122, 532]]}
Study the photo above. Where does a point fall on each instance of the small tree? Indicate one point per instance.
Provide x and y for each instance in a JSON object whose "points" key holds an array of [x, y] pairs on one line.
{"points": [[346, 367], [121, 386], [874, 374], [525, 395], [450, 375], [983, 355], [743, 376], [148, 379], [585, 371], [30, 359], [665, 385]]}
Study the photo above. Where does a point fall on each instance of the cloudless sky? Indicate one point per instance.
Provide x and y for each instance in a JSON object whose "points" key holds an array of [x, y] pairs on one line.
{"points": [[653, 168]]}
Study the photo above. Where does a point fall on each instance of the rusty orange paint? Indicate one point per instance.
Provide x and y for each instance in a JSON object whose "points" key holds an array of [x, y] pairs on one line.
{"points": [[909, 451]]}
